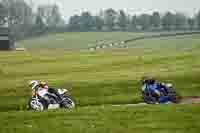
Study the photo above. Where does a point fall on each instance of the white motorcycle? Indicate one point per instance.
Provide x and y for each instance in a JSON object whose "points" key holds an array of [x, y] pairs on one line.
{"points": [[40, 104]]}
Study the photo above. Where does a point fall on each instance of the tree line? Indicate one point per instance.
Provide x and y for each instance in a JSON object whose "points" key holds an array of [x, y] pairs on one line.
{"points": [[27, 22], [111, 20]]}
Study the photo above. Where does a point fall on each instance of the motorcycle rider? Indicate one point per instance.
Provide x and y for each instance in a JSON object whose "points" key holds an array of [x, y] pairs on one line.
{"points": [[155, 89], [43, 90]]}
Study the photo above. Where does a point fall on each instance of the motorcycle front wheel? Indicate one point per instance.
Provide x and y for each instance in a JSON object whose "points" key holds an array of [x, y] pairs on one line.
{"points": [[67, 103], [36, 105]]}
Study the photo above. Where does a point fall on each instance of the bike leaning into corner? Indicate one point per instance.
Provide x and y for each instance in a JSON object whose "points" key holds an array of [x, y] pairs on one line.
{"points": [[157, 93], [44, 98]]}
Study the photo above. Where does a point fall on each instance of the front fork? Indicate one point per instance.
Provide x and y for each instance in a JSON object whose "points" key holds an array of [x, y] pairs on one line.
{"points": [[36, 100]]}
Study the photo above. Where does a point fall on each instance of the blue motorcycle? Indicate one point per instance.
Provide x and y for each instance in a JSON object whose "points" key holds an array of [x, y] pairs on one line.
{"points": [[167, 94]]}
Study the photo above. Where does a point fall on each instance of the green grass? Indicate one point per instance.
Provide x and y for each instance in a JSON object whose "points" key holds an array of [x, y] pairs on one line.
{"points": [[185, 42], [102, 78], [76, 40], [149, 119]]}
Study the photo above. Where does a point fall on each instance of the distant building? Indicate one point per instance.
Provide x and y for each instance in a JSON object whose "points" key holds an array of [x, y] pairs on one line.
{"points": [[7, 41]]}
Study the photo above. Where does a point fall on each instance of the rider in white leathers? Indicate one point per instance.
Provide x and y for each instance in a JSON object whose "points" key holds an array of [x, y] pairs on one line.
{"points": [[42, 89]]}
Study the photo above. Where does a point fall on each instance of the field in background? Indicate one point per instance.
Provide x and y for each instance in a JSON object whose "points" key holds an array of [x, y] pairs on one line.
{"points": [[185, 42], [74, 40], [85, 40], [106, 40], [99, 79]]}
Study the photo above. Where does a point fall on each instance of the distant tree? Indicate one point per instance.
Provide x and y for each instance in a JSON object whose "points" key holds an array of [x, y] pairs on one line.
{"points": [[39, 23], [156, 20], [191, 23], [144, 21], [50, 15], [110, 16], [74, 23], [98, 22], [134, 22], [86, 21], [198, 19], [122, 20], [180, 21], [55, 18], [44, 12], [168, 21]]}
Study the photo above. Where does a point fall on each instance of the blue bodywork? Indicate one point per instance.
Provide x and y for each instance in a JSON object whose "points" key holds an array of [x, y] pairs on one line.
{"points": [[151, 89]]}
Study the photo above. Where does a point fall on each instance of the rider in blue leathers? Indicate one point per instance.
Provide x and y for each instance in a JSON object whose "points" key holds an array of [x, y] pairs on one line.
{"points": [[154, 90]]}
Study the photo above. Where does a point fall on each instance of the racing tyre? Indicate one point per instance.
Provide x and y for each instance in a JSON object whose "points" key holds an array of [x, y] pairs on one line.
{"points": [[37, 105], [67, 103]]}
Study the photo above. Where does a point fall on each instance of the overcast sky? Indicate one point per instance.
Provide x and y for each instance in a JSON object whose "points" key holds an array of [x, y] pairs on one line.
{"points": [[71, 7]]}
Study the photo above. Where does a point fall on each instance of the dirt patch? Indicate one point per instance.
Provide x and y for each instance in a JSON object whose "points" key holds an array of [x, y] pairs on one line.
{"points": [[190, 100]]}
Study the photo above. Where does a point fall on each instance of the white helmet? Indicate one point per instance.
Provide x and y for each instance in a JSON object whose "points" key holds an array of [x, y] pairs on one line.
{"points": [[33, 84]]}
